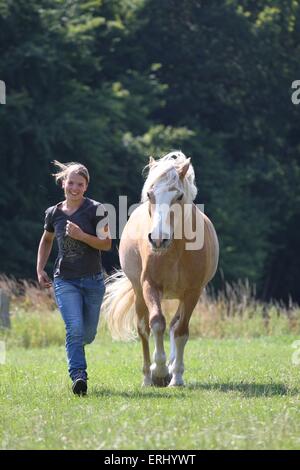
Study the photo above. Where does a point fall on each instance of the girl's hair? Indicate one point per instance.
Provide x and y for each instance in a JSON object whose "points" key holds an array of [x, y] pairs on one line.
{"points": [[70, 167]]}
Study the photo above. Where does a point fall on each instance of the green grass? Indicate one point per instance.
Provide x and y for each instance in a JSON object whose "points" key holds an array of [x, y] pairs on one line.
{"points": [[240, 394]]}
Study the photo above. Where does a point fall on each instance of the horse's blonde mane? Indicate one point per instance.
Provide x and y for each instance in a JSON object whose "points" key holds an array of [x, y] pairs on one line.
{"points": [[162, 168]]}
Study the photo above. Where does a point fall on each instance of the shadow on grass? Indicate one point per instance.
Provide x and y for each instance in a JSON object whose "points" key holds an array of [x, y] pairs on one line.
{"points": [[153, 392], [247, 389]]}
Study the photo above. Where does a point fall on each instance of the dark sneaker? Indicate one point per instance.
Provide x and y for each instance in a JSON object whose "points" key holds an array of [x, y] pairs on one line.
{"points": [[79, 385]]}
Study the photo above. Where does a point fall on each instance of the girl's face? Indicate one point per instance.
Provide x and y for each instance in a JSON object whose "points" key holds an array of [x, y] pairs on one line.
{"points": [[74, 186]]}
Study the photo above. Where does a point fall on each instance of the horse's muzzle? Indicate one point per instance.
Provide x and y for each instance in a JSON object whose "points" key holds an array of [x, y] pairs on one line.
{"points": [[159, 244]]}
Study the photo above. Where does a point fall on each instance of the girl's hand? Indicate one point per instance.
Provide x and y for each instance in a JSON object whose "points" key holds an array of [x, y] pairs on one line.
{"points": [[44, 280], [73, 231]]}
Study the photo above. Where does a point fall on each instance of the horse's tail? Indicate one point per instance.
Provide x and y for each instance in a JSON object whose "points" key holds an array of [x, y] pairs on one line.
{"points": [[117, 308]]}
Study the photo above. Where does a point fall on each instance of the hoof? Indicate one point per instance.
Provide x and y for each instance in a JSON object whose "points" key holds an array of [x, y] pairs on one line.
{"points": [[147, 382], [176, 383], [161, 381]]}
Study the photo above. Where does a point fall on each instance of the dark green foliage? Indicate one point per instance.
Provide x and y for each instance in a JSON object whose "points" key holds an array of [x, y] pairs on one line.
{"points": [[110, 82]]}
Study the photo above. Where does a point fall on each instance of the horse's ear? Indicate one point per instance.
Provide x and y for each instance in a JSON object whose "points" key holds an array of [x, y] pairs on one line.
{"points": [[151, 161], [182, 171]]}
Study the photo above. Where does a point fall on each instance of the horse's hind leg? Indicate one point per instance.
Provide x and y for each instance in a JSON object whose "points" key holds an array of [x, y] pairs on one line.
{"points": [[144, 333], [179, 334]]}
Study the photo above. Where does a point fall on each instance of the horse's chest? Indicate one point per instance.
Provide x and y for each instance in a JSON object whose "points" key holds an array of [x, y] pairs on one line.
{"points": [[168, 278]]}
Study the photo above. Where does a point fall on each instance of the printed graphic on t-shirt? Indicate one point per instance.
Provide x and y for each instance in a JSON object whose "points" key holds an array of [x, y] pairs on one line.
{"points": [[72, 249]]}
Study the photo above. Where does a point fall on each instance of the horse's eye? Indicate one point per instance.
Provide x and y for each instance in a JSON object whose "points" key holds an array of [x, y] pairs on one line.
{"points": [[180, 197], [148, 195]]}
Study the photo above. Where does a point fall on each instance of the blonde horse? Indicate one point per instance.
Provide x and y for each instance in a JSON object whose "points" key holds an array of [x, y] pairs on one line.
{"points": [[168, 250]]}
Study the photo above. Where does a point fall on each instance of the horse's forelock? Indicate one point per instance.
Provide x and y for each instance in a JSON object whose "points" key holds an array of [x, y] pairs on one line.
{"points": [[157, 172], [162, 168]]}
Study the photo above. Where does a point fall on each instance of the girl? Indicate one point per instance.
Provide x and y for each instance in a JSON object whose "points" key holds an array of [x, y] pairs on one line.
{"points": [[78, 278]]}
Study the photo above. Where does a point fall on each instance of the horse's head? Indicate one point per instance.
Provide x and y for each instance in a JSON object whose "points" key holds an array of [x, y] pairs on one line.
{"points": [[167, 190]]}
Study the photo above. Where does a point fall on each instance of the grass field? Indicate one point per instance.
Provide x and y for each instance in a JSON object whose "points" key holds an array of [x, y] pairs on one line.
{"points": [[242, 388], [241, 393]]}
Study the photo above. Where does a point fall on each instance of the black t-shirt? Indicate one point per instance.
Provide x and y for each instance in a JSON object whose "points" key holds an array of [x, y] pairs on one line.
{"points": [[75, 258]]}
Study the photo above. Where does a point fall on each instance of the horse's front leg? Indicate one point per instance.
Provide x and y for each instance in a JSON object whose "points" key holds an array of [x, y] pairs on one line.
{"points": [[179, 334], [144, 333], [159, 370]]}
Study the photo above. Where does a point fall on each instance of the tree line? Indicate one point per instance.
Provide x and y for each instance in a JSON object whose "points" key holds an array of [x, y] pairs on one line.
{"points": [[111, 82]]}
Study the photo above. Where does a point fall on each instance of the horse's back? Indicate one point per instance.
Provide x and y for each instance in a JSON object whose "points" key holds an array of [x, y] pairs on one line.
{"points": [[211, 247]]}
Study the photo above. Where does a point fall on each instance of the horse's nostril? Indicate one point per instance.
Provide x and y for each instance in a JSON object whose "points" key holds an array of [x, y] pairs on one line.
{"points": [[155, 243], [165, 241]]}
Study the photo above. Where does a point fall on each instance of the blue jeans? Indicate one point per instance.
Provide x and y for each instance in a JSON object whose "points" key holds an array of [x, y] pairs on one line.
{"points": [[79, 301]]}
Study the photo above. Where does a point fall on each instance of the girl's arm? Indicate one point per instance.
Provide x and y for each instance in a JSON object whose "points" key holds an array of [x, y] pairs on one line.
{"points": [[99, 244], [44, 251]]}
